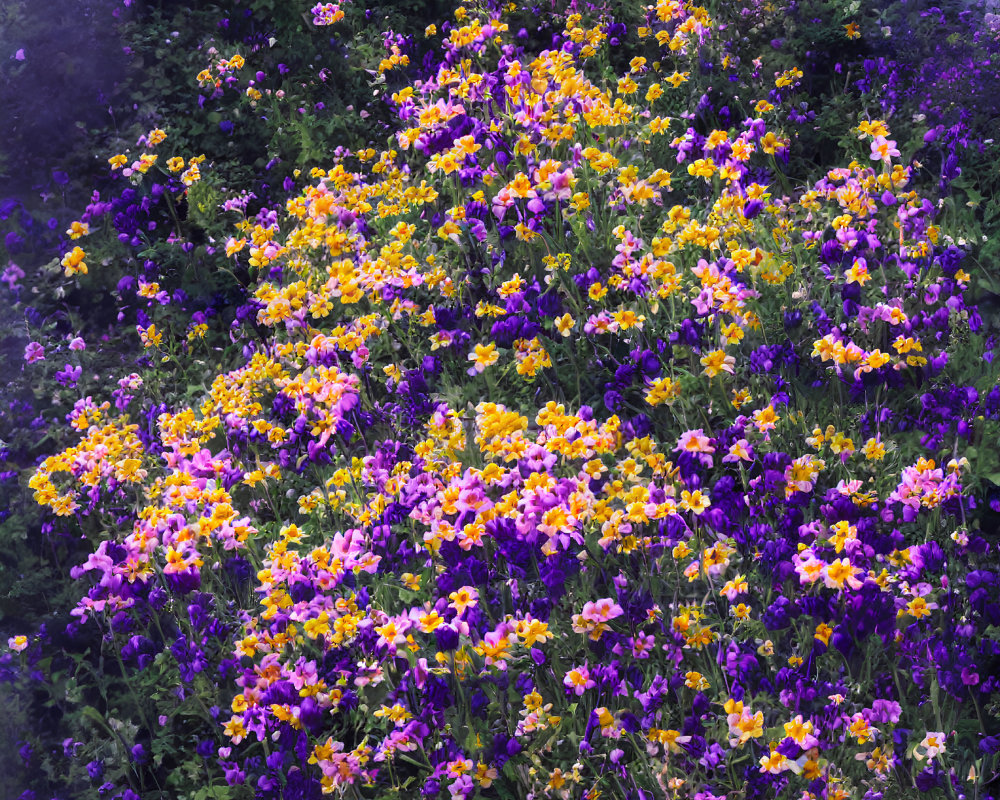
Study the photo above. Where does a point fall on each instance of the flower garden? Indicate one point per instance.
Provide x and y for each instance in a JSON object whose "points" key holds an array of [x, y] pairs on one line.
{"points": [[507, 401]]}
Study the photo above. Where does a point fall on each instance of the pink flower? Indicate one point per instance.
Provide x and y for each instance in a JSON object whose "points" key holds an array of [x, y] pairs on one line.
{"points": [[694, 442], [601, 610], [326, 14], [11, 275], [34, 352], [737, 451], [884, 149], [562, 185], [578, 680]]}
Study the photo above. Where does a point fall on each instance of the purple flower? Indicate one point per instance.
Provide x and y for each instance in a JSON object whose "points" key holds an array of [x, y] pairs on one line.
{"points": [[139, 754], [68, 375]]}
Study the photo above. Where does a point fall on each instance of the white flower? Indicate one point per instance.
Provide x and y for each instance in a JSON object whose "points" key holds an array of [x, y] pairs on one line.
{"points": [[932, 744]]}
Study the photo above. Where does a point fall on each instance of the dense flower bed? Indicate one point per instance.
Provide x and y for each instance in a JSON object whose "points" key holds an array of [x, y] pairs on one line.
{"points": [[565, 446]]}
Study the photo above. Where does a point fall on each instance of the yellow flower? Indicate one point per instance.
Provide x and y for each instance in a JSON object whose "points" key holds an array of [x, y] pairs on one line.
{"points": [[395, 713], [73, 262], [564, 324], [873, 450], [146, 160], [717, 361], [597, 291], [695, 501], [463, 598], [765, 419], [485, 774], [702, 168], [797, 730], [733, 333], [695, 680], [918, 607], [557, 781], [858, 273], [776, 763], [788, 77], [532, 630], [744, 726], [78, 229], [411, 581], [234, 729], [662, 390], [628, 319], [860, 729], [677, 78]]}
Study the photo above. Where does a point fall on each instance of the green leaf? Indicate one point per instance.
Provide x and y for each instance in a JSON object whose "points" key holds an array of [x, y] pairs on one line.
{"points": [[96, 716], [212, 793]]}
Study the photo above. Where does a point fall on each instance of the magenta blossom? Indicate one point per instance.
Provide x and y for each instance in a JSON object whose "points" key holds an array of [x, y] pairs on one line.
{"points": [[34, 352]]}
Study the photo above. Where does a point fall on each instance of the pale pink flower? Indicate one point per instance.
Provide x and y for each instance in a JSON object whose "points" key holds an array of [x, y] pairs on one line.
{"points": [[932, 745], [578, 680], [884, 150], [601, 610]]}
